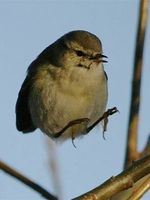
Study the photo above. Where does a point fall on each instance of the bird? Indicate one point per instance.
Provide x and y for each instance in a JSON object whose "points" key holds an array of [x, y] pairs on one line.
{"points": [[64, 84]]}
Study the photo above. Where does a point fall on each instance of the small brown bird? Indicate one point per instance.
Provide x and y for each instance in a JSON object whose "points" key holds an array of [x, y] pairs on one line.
{"points": [[64, 83]]}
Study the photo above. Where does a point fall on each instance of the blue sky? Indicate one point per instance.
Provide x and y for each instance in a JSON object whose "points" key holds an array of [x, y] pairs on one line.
{"points": [[27, 27]]}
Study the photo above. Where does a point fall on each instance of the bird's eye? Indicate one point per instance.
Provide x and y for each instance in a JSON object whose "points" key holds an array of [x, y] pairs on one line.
{"points": [[79, 53]]}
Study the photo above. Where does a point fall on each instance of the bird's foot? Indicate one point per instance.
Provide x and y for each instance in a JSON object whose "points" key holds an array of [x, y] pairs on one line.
{"points": [[77, 121], [105, 116]]}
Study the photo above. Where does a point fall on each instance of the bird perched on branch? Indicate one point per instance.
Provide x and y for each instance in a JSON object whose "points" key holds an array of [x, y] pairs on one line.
{"points": [[65, 85]]}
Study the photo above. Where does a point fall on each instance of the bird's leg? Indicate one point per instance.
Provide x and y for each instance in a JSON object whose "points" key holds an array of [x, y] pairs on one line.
{"points": [[70, 124], [104, 117]]}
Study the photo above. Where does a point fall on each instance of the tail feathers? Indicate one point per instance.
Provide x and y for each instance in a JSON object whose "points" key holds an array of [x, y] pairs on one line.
{"points": [[23, 118]]}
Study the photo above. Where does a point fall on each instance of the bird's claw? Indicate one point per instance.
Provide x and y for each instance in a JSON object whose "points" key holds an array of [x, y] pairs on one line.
{"points": [[105, 116]]}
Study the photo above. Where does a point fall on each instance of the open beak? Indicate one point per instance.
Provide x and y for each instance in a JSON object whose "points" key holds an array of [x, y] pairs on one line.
{"points": [[103, 60], [99, 58]]}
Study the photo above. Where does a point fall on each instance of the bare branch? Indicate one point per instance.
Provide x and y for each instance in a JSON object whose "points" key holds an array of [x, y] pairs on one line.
{"points": [[123, 181], [131, 149], [138, 193], [131, 191], [12, 172]]}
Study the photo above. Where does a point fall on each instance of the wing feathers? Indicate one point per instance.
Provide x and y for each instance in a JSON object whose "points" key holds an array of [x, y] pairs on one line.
{"points": [[23, 118]]}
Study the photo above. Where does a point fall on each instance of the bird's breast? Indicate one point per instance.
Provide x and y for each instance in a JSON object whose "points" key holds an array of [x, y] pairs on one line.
{"points": [[80, 93]]}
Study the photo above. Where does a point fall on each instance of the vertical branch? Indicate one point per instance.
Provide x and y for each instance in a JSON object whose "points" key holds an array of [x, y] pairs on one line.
{"points": [[53, 166], [131, 149]]}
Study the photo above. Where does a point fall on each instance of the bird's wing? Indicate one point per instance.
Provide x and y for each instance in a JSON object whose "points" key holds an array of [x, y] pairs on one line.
{"points": [[23, 118]]}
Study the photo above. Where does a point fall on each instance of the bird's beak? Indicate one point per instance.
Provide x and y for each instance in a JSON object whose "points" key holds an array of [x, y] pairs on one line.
{"points": [[101, 58]]}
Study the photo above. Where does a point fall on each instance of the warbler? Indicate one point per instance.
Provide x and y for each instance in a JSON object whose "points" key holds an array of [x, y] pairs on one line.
{"points": [[64, 83]]}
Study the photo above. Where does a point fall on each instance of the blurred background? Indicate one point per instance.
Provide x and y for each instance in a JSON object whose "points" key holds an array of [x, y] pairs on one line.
{"points": [[27, 27]]}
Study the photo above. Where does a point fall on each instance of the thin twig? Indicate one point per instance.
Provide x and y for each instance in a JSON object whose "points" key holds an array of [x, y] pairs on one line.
{"points": [[123, 181], [131, 149], [26, 181]]}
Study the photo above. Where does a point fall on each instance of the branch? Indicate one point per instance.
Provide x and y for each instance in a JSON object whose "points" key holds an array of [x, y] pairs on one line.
{"points": [[131, 149], [123, 181], [138, 193], [26, 181]]}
